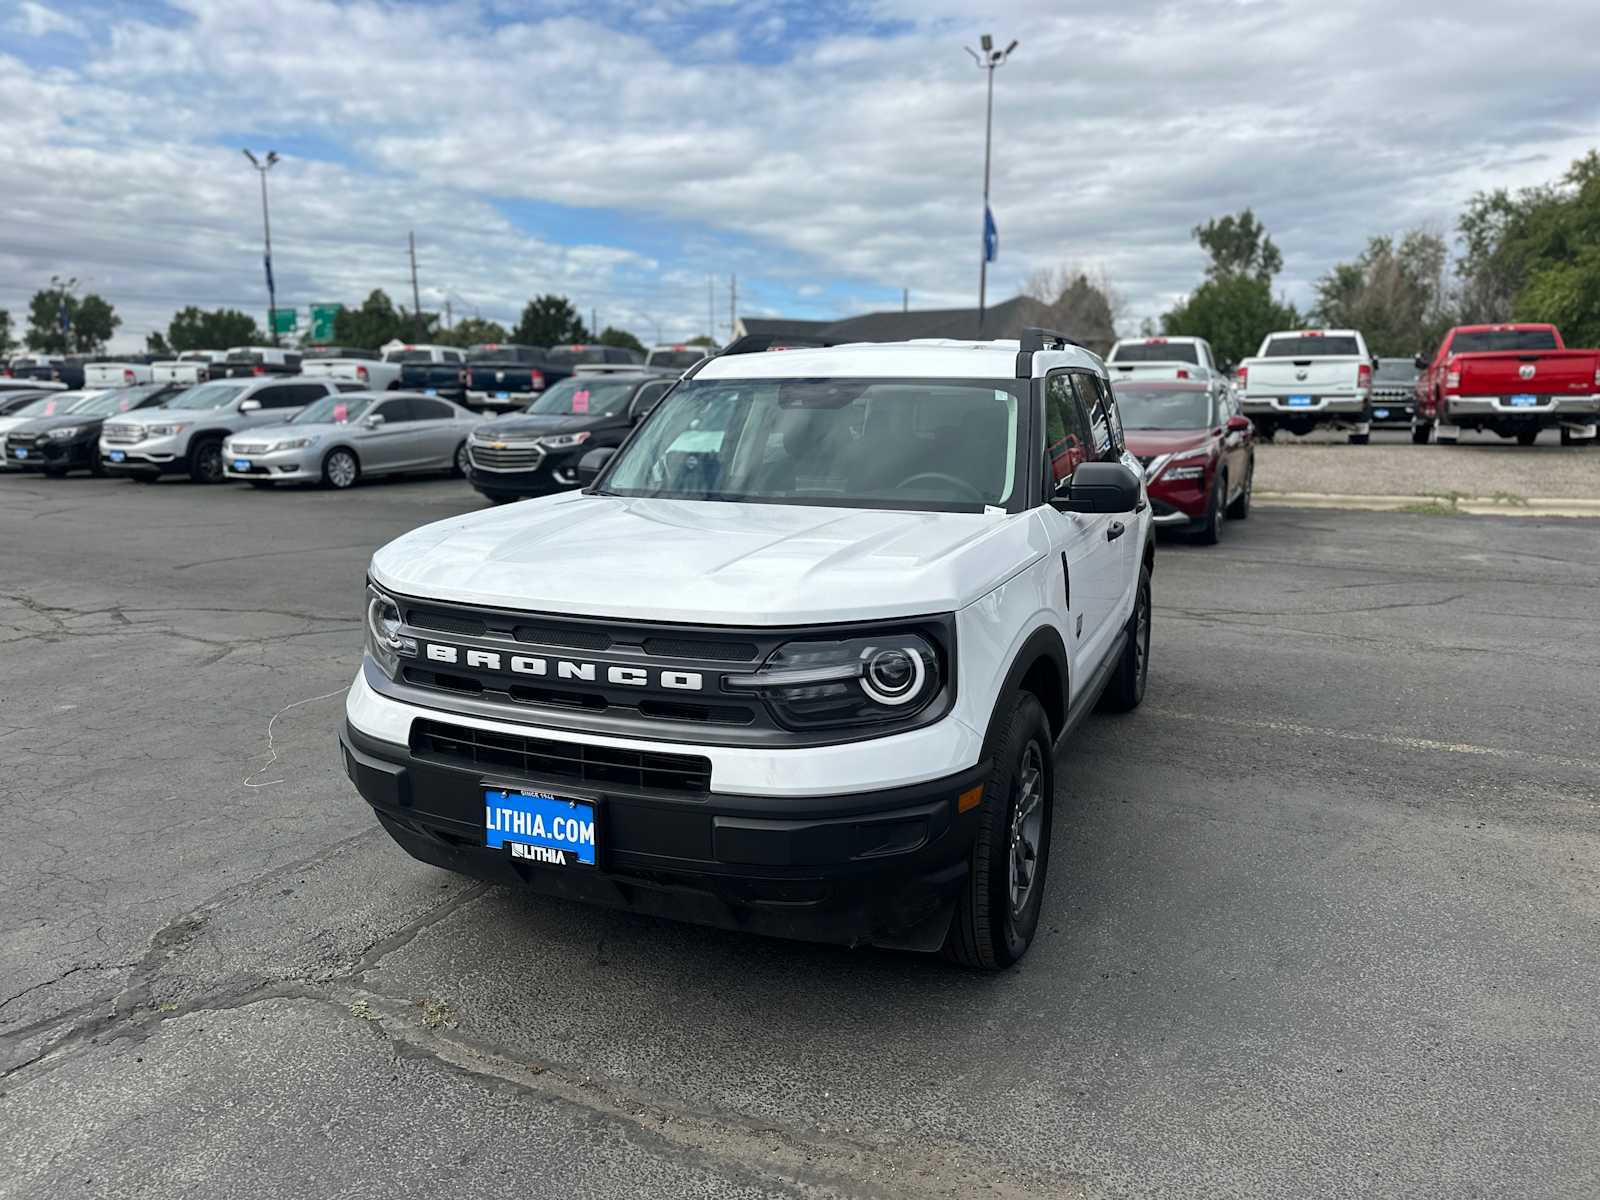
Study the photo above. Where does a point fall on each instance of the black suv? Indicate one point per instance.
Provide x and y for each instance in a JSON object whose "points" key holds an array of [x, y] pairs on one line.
{"points": [[536, 451]]}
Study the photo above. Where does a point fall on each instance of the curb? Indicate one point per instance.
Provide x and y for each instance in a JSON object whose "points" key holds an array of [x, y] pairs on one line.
{"points": [[1478, 506]]}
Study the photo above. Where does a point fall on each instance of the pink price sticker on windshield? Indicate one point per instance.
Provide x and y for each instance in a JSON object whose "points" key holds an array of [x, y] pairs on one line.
{"points": [[341, 412], [580, 401]]}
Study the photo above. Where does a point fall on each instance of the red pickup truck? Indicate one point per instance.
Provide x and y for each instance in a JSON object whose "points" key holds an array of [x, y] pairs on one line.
{"points": [[1513, 380]]}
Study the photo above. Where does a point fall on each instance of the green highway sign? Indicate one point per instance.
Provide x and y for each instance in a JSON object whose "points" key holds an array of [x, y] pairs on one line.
{"points": [[283, 320], [322, 316]]}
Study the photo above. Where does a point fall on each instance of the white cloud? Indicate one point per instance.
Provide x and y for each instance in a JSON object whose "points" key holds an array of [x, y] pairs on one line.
{"points": [[856, 162], [36, 21]]}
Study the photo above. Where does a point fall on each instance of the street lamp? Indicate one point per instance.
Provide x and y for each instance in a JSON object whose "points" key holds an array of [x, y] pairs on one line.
{"points": [[266, 224], [988, 61]]}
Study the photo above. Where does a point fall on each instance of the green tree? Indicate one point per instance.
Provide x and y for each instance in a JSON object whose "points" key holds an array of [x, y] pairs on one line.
{"points": [[473, 331], [217, 329], [1395, 293], [6, 342], [702, 340], [1233, 314], [90, 320], [155, 343], [1083, 307], [620, 337], [549, 321], [1238, 245], [378, 320]]}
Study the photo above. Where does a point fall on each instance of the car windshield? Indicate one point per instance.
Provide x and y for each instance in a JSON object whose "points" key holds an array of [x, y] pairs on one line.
{"points": [[207, 395], [1479, 341], [1163, 408], [940, 445], [121, 400], [568, 356], [591, 396], [677, 359], [247, 356], [1311, 346], [1396, 370], [334, 410], [55, 404], [503, 354], [1157, 351]]}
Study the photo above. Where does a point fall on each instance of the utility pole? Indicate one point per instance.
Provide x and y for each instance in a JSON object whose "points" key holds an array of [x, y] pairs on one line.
{"points": [[711, 308], [990, 59], [594, 324], [266, 227], [733, 304], [447, 312], [416, 296], [905, 300]]}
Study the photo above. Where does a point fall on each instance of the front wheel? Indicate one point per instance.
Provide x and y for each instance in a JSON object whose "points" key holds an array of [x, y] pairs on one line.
{"points": [[1126, 689], [1240, 508], [459, 465], [1527, 437], [1360, 439], [998, 910], [205, 461], [1421, 432], [339, 469], [1210, 533]]}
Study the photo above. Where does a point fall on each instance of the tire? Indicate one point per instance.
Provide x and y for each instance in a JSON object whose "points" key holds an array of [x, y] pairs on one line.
{"points": [[1527, 437], [54, 472], [1240, 508], [205, 461], [1360, 439], [1126, 689], [147, 476], [1210, 533], [340, 469], [1266, 432], [1420, 434], [265, 485], [458, 465], [97, 466], [992, 928]]}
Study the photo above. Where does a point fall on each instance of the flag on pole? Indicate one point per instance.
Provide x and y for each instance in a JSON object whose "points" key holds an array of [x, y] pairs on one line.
{"points": [[64, 316], [266, 260], [991, 236]]}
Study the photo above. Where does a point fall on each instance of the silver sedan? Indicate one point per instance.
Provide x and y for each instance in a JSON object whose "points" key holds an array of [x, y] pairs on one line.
{"points": [[347, 435]]}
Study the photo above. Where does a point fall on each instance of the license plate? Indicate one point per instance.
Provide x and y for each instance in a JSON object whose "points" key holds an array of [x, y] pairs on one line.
{"points": [[1380, 413], [1524, 401], [21, 452], [539, 827], [430, 391], [1299, 401], [118, 455], [241, 464], [502, 395]]}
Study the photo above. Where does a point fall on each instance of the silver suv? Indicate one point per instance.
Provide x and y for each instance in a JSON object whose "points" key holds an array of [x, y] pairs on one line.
{"points": [[185, 435]]}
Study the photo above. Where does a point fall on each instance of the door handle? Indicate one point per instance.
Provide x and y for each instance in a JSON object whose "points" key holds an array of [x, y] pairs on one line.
{"points": [[1116, 530]]}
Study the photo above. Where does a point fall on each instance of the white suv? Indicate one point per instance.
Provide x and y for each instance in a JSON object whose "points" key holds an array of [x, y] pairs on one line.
{"points": [[797, 660]]}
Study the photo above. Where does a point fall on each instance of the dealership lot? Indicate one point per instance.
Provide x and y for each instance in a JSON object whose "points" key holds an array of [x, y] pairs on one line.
{"points": [[1322, 918]]}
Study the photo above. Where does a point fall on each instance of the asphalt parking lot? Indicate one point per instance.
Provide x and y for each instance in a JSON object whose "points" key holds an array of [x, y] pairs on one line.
{"points": [[1324, 914]]}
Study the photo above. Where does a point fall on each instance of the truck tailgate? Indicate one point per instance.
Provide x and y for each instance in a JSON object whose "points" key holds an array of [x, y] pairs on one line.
{"points": [[1314, 376], [1530, 372]]}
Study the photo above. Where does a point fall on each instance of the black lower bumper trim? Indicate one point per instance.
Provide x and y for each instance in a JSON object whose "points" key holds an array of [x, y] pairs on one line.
{"points": [[878, 868]]}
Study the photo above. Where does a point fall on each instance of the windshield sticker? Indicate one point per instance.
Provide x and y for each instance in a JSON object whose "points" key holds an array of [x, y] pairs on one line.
{"points": [[580, 401], [341, 413]]}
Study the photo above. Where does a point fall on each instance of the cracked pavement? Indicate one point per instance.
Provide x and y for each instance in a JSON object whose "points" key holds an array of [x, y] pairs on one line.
{"points": [[1324, 917]]}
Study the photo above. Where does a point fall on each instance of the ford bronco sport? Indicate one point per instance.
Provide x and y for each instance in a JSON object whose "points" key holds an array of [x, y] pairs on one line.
{"points": [[796, 661]]}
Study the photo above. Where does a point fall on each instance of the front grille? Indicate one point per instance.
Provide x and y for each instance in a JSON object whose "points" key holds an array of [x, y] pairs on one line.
{"points": [[122, 435], [422, 618], [523, 457], [554, 635], [26, 440], [248, 447], [542, 759], [715, 651]]}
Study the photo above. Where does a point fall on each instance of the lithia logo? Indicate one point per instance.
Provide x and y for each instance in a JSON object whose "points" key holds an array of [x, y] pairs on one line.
{"points": [[564, 669]]}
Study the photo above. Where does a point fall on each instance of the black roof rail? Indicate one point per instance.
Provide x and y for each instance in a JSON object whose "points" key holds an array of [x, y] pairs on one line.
{"points": [[758, 343], [1034, 339]]}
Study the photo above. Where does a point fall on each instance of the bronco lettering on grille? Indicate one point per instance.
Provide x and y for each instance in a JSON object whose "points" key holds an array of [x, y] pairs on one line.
{"points": [[562, 668]]}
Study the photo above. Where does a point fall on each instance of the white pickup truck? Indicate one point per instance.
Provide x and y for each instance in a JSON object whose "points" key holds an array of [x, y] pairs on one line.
{"points": [[190, 367], [1308, 379], [117, 374], [373, 370], [1146, 358]]}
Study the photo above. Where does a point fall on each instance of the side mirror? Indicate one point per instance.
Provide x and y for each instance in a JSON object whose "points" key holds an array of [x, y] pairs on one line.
{"points": [[1099, 487], [1238, 424], [373, 421], [592, 463], [1420, 363], [250, 406]]}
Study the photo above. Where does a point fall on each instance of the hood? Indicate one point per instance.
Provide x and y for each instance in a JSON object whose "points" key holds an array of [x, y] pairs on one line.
{"points": [[541, 425], [1146, 443], [278, 431], [36, 425], [161, 415], [710, 563]]}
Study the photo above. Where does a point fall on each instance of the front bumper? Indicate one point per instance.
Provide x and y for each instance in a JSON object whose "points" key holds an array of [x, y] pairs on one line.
{"points": [[282, 466], [554, 471], [1393, 410], [882, 868], [169, 455], [1180, 503]]}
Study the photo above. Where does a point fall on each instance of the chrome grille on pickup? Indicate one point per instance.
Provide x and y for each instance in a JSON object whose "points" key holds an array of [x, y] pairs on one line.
{"points": [[505, 456], [122, 435]]}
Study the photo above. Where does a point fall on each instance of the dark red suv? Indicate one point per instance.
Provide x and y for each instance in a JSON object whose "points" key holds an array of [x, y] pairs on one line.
{"points": [[1198, 452]]}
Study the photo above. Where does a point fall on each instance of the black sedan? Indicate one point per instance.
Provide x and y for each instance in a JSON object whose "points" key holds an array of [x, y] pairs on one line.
{"points": [[70, 441], [535, 451]]}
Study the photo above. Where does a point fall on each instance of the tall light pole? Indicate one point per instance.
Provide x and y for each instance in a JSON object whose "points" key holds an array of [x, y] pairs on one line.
{"points": [[266, 225], [988, 61]]}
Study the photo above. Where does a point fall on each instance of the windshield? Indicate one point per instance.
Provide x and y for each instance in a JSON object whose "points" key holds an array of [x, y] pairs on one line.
{"points": [[55, 404], [678, 359], [572, 355], [1395, 370], [342, 352], [1157, 352], [207, 395], [504, 354], [594, 396], [1163, 408], [944, 445], [334, 410], [121, 400], [1311, 346], [247, 356], [1478, 341]]}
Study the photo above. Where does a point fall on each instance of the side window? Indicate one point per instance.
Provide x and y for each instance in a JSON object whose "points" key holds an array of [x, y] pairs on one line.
{"points": [[423, 409], [1096, 404], [1066, 431], [451, 356], [277, 397], [394, 411], [648, 397]]}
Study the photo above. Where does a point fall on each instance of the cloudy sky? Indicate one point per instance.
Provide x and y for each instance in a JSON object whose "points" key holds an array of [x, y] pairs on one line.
{"points": [[828, 153]]}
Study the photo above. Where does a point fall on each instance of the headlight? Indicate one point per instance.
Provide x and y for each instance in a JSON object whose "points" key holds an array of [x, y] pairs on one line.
{"points": [[385, 643], [292, 444], [564, 441], [65, 432], [151, 431], [850, 681], [1183, 465]]}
